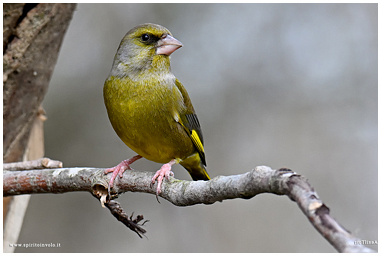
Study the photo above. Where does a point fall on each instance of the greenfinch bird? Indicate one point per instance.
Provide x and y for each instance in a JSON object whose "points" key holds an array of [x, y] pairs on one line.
{"points": [[150, 109]]}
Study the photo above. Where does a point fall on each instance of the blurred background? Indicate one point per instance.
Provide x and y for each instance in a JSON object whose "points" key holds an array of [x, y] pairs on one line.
{"points": [[283, 85]]}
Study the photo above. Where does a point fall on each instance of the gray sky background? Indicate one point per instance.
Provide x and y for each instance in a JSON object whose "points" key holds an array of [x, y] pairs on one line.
{"points": [[283, 85]]}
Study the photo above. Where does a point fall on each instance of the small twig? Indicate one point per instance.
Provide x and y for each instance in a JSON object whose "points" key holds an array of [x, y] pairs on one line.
{"points": [[102, 193], [133, 224], [41, 163]]}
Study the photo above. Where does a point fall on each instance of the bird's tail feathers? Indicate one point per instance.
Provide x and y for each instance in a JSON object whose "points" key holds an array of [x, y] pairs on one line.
{"points": [[195, 167]]}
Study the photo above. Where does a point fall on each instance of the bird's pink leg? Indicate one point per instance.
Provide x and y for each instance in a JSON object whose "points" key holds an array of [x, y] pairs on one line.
{"points": [[120, 168], [165, 171]]}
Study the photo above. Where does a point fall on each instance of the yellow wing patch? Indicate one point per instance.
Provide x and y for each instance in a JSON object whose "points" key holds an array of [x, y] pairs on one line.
{"points": [[192, 134], [196, 141]]}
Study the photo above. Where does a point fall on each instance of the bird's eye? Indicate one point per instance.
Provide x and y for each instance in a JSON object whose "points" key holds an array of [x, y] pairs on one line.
{"points": [[145, 37]]}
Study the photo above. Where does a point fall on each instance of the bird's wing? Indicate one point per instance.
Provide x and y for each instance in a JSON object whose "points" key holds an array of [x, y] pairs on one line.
{"points": [[189, 121]]}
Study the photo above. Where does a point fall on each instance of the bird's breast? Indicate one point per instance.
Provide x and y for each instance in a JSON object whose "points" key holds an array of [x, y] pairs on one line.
{"points": [[143, 116]]}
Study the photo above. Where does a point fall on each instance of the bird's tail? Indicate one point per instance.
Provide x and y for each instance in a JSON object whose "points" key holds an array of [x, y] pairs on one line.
{"points": [[195, 167]]}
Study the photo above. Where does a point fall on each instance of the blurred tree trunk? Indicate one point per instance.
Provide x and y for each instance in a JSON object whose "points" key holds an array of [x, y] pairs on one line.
{"points": [[32, 36]]}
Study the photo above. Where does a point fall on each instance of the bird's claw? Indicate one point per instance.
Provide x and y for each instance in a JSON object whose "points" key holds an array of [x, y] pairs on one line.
{"points": [[120, 169], [164, 172]]}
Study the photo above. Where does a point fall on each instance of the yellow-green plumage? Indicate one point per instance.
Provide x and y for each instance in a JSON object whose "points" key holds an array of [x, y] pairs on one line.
{"points": [[149, 108]]}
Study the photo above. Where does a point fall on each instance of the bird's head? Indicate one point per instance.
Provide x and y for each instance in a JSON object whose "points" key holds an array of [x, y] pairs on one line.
{"points": [[145, 48]]}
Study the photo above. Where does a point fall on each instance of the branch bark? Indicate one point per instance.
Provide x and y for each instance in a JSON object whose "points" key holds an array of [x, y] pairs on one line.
{"points": [[262, 179], [32, 38]]}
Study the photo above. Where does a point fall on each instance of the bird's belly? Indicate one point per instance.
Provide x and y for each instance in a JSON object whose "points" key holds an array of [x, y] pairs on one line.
{"points": [[151, 130], [158, 144]]}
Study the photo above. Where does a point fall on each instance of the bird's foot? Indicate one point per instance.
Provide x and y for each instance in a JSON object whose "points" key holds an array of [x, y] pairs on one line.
{"points": [[165, 171], [120, 169]]}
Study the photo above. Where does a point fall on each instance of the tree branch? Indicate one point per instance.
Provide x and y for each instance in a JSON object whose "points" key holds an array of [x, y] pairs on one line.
{"points": [[33, 164], [184, 193]]}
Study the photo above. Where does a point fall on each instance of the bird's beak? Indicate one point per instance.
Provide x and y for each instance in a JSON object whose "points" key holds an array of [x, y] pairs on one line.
{"points": [[167, 45]]}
